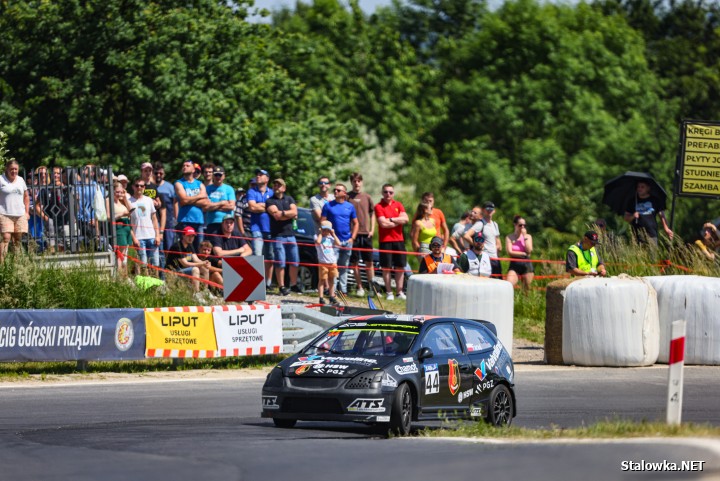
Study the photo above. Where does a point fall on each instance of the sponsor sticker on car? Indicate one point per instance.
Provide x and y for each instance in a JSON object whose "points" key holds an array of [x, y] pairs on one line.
{"points": [[270, 402], [432, 379], [464, 395], [389, 381], [406, 369], [454, 376], [362, 405]]}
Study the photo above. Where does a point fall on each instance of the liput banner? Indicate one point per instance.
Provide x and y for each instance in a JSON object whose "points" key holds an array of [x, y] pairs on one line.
{"points": [[72, 335], [214, 331]]}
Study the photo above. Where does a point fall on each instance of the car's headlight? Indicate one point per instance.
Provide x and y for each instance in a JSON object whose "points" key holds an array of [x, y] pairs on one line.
{"points": [[366, 380], [275, 378]]}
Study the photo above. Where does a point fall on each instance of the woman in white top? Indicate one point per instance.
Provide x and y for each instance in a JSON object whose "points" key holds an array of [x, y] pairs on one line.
{"points": [[14, 207]]}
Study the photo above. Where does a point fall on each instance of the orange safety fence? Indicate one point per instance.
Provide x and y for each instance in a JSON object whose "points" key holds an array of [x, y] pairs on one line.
{"points": [[168, 271], [663, 265]]}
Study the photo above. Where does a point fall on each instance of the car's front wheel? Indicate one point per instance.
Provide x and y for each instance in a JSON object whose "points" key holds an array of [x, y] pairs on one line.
{"points": [[401, 413], [500, 409], [285, 423]]}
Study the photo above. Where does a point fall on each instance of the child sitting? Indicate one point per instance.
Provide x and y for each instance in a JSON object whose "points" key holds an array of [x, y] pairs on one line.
{"points": [[325, 243]]}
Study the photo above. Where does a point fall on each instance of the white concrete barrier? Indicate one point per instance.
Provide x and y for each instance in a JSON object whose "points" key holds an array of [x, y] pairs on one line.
{"points": [[610, 322], [696, 299], [462, 295]]}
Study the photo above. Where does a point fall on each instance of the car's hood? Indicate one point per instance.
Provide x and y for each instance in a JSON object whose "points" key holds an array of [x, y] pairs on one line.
{"points": [[333, 365]]}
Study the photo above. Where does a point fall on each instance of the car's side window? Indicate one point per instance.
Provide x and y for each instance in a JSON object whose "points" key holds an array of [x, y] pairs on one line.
{"points": [[442, 339], [475, 338]]}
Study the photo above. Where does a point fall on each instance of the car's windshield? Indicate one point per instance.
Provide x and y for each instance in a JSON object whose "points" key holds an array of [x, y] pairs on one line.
{"points": [[365, 341]]}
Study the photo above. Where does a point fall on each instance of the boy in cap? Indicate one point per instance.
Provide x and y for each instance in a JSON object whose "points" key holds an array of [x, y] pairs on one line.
{"points": [[325, 243], [583, 260], [429, 264], [183, 258]]}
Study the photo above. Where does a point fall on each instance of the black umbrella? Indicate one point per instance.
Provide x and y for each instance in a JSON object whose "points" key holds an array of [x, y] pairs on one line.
{"points": [[621, 189]]}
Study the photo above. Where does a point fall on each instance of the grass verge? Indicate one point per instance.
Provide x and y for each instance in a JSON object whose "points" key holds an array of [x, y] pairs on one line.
{"points": [[17, 371], [608, 429]]}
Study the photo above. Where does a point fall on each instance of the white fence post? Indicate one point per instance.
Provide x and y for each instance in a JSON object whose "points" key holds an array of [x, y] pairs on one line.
{"points": [[675, 372]]}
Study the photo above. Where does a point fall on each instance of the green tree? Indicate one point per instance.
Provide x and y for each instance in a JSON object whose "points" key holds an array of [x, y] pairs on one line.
{"points": [[123, 81], [361, 69], [547, 102]]}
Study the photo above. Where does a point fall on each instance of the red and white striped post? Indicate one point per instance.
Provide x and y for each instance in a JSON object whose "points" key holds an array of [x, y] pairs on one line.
{"points": [[675, 373]]}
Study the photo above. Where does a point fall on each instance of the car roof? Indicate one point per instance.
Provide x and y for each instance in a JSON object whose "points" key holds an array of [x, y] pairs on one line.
{"points": [[412, 320]]}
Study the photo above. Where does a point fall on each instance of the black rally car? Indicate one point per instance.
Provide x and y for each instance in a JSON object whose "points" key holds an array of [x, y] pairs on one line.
{"points": [[392, 370]]}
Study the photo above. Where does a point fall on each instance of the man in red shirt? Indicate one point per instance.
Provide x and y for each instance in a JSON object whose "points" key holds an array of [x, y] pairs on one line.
{"points": [[391, 217]]}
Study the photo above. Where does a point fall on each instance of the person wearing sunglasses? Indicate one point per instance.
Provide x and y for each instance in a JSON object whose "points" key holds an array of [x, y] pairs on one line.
{"points": [[343, 217], [391, 217], [318, 201], [519, 247], [222, 202], [144, 222], [429, 264], [475, 261]]}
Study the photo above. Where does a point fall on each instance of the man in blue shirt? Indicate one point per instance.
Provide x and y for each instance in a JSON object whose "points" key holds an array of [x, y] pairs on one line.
{"points": [[192, 199], [222, 202], [343, 217], [260, 221]]}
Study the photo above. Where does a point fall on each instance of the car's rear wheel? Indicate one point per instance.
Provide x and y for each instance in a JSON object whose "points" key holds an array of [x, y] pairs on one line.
{"points": [[285, 423], [401, 413], [500, 408]]}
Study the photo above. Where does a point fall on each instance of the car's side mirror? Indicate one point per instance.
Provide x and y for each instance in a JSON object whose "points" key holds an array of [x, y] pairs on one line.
{"points": [[425, 353]]}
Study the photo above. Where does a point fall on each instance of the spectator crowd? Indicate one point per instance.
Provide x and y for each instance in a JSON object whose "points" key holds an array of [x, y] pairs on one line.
{"points": [[190, 225]]}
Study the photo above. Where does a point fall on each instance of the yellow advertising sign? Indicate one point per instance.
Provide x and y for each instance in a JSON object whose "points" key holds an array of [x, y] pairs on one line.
{"points": [[180, 330], [699, 162]]}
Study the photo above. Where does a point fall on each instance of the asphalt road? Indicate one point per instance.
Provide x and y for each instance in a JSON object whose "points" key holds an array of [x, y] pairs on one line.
{"points": [[211, 430]]}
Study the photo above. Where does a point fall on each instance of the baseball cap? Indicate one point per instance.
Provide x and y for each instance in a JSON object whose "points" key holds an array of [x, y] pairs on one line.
{"points": [[479, 237], [122, 177], [188, 230], [261, 171], [326, 224], [197, 166], [592, 236], [279, 181], [218, 170], [436, 240], [489, 206], [229, 217], [146, 165], [240, 189]]}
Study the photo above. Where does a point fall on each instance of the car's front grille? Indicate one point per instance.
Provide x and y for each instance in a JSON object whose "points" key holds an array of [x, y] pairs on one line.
{"points": [[315, 382], [311, 405], [363, 381]]}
